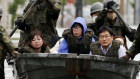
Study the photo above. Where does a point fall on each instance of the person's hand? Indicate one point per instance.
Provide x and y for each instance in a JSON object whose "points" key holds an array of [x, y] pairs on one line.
{"points": [[126, 57], [19, 24], [57, 6], [15, 53]]}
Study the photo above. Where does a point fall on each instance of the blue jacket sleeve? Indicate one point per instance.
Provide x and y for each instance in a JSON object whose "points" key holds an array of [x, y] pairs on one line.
{"points": [[63, 48]]}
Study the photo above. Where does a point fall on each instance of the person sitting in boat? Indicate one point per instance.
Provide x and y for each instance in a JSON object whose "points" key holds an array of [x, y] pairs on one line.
{"points": [[36, 44], [77, 39], [106, 46]]}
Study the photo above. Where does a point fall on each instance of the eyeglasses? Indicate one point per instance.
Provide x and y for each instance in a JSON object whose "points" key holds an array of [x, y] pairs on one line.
{"points": [[104, 37]]}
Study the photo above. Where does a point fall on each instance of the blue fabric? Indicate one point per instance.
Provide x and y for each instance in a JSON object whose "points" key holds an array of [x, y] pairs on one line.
{"points": [[63, 48], [93, 40]]}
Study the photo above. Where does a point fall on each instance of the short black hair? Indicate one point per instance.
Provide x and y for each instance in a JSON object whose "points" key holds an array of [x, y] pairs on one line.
{"points": [[78, 24], [106, 28]]}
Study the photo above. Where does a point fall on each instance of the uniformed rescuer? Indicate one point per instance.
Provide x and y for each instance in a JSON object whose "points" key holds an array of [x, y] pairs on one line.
{"points": [[95, 9], [43, 17], [135, 48], [6, 47], [108, 17]]}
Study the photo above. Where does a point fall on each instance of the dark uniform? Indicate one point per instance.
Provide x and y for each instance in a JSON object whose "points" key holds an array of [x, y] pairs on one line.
{"points": [[135, 48], [112, 52], [42, 17], [94, 11], [118, 27], [5, 47], [95, 30]]}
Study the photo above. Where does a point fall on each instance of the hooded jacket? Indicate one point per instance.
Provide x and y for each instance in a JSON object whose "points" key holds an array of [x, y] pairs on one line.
{"points": [[81, 45]]}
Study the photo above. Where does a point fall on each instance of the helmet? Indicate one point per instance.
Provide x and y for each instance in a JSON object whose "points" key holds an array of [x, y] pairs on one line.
{"points": [[108, 4], [98, 6], [0, 12]]}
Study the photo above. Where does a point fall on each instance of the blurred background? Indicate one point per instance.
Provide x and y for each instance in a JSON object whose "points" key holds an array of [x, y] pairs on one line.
{"points": [[129, 10]]}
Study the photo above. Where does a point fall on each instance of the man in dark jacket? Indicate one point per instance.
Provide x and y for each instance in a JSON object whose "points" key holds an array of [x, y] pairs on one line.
{"points": [[107, 17], [106, 46]]}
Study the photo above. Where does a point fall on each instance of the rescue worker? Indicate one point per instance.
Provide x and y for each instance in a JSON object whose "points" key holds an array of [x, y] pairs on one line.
{"points": [[43, 17], [95, 9], [135, 48], [36, 44], [109, 18], [106, 45], [6, 47], [77, 39], [94, 12]]}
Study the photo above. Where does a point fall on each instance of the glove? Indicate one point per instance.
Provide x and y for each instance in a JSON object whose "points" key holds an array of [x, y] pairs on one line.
{"points": [[19, 24], [15, 53], [18, 51]]}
